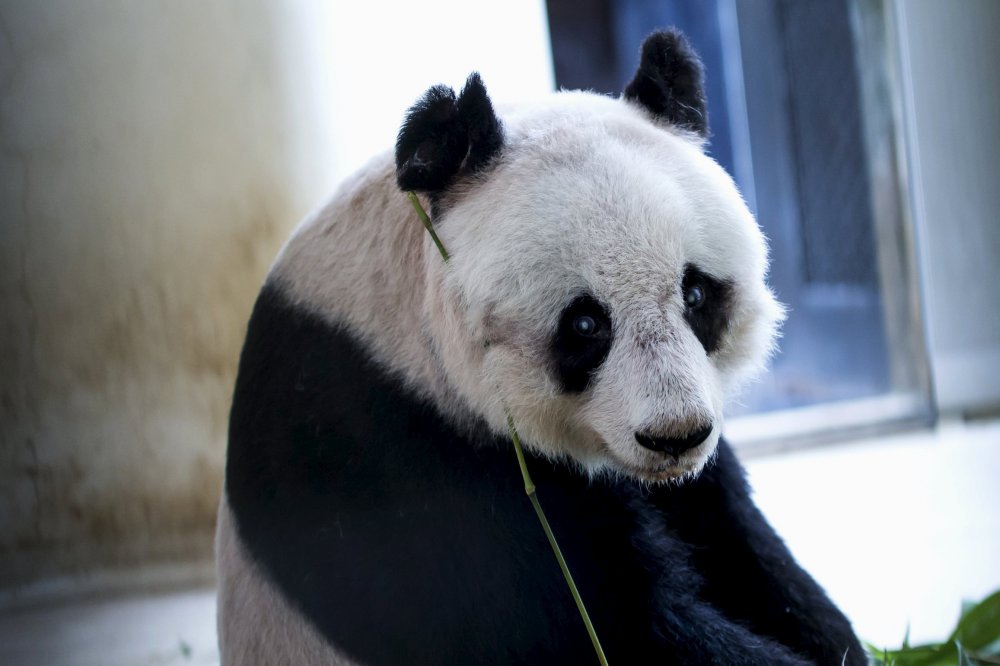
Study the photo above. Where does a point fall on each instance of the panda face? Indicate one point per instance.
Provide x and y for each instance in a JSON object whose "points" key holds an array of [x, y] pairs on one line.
{"points": [[606, 284]]}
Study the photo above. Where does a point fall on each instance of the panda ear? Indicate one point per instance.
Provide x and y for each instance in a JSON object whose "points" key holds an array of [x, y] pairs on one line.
{"points": [[444, 137], [670, 83]]}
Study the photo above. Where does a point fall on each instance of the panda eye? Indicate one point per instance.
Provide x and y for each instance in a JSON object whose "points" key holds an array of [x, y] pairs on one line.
{"points": [[584, 326], [707, 303], [581, 342], [694, 295]]}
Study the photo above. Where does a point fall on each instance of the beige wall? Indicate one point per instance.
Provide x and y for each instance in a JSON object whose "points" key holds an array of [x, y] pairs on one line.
{"points": [[153, 156]]}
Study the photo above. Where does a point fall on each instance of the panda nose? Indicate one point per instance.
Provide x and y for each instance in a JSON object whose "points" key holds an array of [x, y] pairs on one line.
{"points": [[674, 446]]}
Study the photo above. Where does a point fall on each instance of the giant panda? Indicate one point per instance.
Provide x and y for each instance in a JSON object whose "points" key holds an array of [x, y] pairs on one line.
{"points": [[605, 286]]}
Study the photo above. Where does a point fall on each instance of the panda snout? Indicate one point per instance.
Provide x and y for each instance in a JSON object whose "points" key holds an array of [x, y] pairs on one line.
{"points": [[674, 446]]}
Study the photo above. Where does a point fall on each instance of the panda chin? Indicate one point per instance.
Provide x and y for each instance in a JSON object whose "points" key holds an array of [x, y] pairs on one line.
{"points": [[665, 469], [667, 474]]}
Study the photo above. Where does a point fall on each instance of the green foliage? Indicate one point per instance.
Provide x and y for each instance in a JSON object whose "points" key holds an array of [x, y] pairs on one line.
{"points": [[975, 641]]}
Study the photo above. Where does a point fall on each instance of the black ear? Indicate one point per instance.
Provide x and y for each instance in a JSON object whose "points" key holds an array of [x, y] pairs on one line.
{"points": [[670, 82], [443, 137]]}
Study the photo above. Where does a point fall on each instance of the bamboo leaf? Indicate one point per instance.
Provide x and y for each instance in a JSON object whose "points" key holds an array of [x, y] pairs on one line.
{"points": [[934, 654], [963, 659], [980, 626]]}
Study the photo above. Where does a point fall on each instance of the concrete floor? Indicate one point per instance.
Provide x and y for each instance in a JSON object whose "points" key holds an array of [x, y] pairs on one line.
{"points": [[167, 628], [898, 530]]}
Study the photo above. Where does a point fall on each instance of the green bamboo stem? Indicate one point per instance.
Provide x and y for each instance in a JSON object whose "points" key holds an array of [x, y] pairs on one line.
{"points": [[422, 214], [529, 488], [529, 485]]}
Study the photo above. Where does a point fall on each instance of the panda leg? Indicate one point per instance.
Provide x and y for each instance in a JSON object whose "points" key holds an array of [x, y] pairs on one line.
{"points": [[749, 573]]}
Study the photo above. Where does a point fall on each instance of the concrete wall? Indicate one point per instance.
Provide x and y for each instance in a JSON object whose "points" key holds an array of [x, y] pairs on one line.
{"points": [[153, 156]]}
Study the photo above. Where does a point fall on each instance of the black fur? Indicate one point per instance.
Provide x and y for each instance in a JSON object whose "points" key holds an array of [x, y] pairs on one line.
{"points": [[405, 541], [443, 137], [577, 356], [670, 82], [711, 320]]}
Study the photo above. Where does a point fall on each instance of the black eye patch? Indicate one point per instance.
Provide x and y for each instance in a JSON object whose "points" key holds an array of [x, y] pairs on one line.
{"points": [[707, 301], [581, 342]]}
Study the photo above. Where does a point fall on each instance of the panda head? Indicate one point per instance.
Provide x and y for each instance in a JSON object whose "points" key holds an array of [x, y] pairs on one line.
{"points": [[606, 281]]}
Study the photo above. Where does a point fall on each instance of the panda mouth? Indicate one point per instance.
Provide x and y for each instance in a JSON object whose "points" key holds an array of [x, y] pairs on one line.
{"points": [[666, 468]]}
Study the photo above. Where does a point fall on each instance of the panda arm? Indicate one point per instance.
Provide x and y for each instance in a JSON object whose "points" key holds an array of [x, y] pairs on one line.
{"points": [[687, 628], [749, 574], [695, 632]]}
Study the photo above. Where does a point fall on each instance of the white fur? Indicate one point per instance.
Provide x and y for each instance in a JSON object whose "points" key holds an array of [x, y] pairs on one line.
{"points": [[588, 194]]}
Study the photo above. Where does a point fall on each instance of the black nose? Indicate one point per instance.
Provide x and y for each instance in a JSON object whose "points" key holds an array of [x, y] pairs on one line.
{"points": [[675, 446]]}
